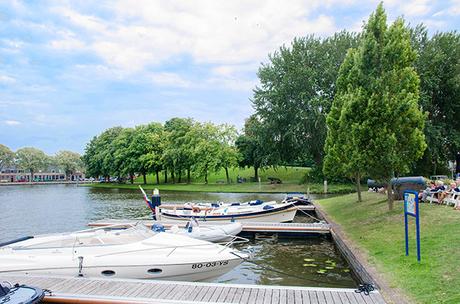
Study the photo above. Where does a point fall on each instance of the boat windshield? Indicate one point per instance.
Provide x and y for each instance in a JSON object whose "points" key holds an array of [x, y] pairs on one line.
{"points": [[97, 237]]}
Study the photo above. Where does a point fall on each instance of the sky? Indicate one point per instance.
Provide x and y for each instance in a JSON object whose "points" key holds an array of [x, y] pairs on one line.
{"points": [[71, 69]]}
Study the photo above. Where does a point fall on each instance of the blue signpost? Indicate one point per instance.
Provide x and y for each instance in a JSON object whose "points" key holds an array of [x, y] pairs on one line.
{"points": [[411, 208]]}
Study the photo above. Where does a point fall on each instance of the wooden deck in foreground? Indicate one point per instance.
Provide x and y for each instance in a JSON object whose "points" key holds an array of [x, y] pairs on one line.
{"points": [[83, 290], [255, 227]]}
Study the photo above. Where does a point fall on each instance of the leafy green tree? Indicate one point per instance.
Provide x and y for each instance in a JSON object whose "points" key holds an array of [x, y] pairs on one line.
{"points": [[438, 64], [206, 149], [6, 157], [343, 147], [178, 152], [228, 154], [99, 157], [125, 157], [380, 109], [32, 160], [251, 146], [69, 161], [149, 144], [296, 91]]}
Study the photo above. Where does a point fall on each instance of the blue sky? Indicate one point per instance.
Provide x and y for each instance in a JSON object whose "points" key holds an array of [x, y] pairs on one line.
{"points": [[70, 69]]}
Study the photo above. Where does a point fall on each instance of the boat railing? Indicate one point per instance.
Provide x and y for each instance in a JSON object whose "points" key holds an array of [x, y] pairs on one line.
{"points": [[224, 245]]}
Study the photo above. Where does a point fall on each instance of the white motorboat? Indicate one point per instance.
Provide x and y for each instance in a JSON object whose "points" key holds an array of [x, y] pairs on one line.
{"points": [[214, 233], [135, 253], [263, 212], [295, 200]]}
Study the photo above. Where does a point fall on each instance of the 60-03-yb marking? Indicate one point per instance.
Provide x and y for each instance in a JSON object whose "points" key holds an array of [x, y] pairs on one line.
{"points": [[210, 264]]}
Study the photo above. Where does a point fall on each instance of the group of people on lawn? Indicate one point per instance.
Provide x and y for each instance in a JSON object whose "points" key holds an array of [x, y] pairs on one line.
{"points": [[440, 191]]}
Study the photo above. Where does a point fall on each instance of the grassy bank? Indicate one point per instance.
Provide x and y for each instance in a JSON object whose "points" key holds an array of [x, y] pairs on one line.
{"points": [[291, 178], [380, 234], [286, 174], [236, 188]]}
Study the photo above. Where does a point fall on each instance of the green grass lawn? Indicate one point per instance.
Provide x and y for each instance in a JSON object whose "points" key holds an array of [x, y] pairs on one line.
{"points": [[290, 176], [286, 174], [380, 234], [236, 188]]}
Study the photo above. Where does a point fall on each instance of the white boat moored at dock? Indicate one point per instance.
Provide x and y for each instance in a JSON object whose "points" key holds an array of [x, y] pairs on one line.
{"points": [[133, 253]]}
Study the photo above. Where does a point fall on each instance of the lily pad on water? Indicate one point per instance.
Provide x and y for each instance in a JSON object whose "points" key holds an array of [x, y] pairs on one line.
{"points": [[329, 261], [308, 260], [310, 265], [329, 267], [321, 271], [346, 270]]}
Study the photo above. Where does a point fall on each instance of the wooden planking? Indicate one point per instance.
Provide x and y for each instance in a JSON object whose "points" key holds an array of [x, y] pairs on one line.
{"points": [[189, 292]]}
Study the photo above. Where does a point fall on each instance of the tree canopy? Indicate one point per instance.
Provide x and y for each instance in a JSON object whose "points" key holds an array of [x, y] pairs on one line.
{"points": [[32, 160], [296, 90]]}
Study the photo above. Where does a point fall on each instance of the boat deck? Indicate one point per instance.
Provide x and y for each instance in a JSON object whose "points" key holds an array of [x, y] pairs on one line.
{"points": [[178, 206], [84, 290], [299, 229]]}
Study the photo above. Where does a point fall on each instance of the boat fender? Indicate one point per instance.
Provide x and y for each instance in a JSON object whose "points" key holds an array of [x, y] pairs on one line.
{"points": [[268, 207], [196, 209], [256, 202], [158, 228]]}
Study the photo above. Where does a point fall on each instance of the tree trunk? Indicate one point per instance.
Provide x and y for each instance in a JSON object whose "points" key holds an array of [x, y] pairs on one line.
{"points": [[256, 173], [145, 178], [226, 174], [206, 175], [158, 176], [390, 196], [31, 175], [131, 178], [188, 176], [173, 177], [166, 175], [180, 176], [358, 187]]}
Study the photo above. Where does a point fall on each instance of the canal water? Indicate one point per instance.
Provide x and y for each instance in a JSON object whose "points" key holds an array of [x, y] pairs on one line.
{"points": [[38, 209]]}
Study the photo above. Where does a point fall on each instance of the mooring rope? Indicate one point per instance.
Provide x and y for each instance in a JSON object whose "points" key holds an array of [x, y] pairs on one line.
{"points": [[293, 201], [366, 288]]}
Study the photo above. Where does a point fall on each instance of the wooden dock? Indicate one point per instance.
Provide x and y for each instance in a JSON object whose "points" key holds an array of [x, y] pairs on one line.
{"points": [[84, 290], [294, 229]]}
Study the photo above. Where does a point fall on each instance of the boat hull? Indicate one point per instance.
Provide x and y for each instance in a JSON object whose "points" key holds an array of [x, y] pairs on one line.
{"points": [[277, 216], [183, 272]]}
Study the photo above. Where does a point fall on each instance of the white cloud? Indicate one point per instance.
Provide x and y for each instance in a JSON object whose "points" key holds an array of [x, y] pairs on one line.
{"points": [[452, 10], [211, 32], [67, 44], [5, 79], [170, 79], [11, 122]]}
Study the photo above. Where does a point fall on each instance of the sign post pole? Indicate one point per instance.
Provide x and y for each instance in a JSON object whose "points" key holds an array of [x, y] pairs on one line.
{"points": [[411, 207]]}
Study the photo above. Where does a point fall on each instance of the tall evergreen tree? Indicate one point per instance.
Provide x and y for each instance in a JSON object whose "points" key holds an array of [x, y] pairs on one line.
{"points": [[380, 118]]}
